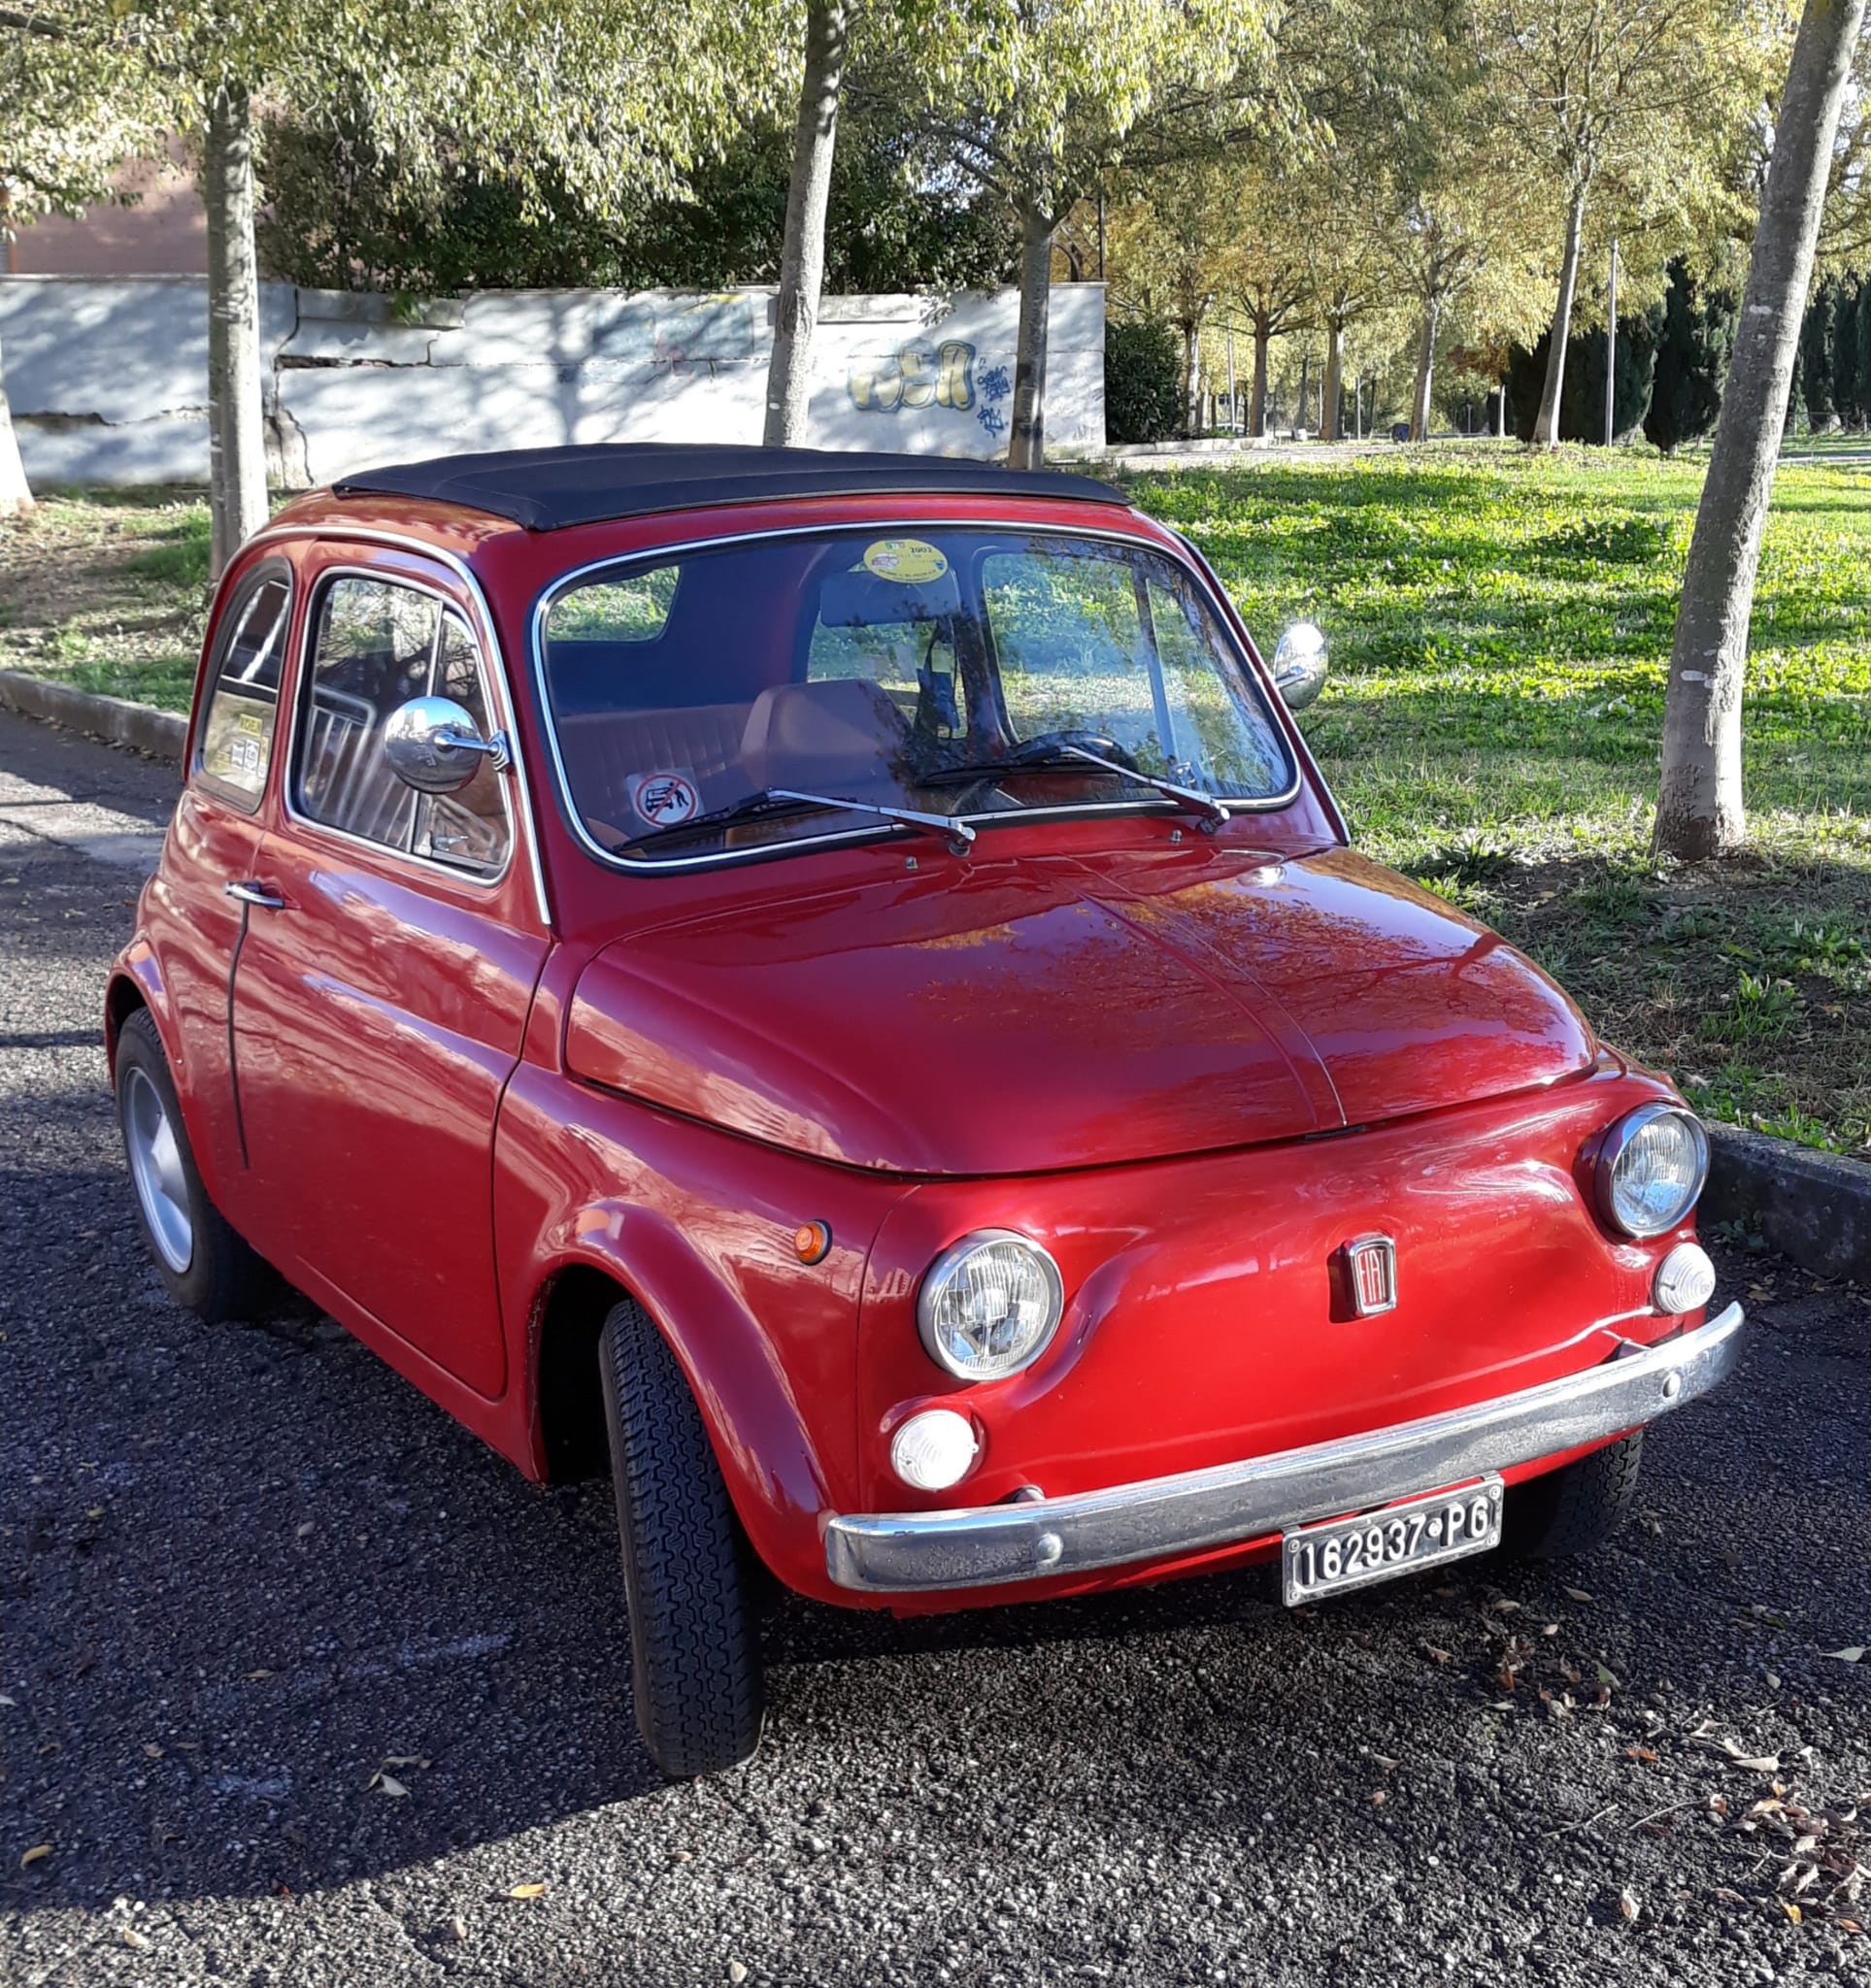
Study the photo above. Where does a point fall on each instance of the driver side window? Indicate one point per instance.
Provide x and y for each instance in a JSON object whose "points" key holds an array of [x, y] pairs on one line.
{"points": [[375, 645]]}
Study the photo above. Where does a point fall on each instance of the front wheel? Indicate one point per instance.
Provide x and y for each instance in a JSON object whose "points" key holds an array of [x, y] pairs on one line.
{"points": [[1576, 1507], [694, 1637]]}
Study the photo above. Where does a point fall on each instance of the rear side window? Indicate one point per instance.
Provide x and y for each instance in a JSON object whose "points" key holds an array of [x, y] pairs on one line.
{"points": [[375, 645], [243, 705]]}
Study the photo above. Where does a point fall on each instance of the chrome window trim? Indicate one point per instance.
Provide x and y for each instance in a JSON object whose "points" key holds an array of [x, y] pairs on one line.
{"points": [[1196, 571], [302, 690], [492, 655]]}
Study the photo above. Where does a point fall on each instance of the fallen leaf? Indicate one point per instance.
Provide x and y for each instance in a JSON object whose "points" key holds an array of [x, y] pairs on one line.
{"points": [[254, 1676], [1627, 1905], [390, 1784], [305, 1529], [1609, 1678], [1577, 1595], [1641, 1753], [1791, 1911], [138, 1942], [1377, 1797], [1385, 1761], [96, 1511], [151, 1750], [405, 1759], [526, 1891], [5, 1699], [1430, 1650], [1852, 1653], [1756, 1763], [1502, 1606], [35, 1855]]}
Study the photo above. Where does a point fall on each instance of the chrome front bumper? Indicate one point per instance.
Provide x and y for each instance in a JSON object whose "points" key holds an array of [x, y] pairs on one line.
{"points": [[1169, 1517]]}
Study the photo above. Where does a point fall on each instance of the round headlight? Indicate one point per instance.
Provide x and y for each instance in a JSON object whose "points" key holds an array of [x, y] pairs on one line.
{"points": [[988, 1305], [1651, 1169]]}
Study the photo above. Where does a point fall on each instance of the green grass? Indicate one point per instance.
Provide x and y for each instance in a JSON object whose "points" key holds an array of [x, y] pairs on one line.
{"points": [[107, 589], [1500, 630]]}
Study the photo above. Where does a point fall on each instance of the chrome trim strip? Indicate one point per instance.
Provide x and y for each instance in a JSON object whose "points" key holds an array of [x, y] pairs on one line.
{"points": [[1197, 572], [1165, 1517], [528, 822]]}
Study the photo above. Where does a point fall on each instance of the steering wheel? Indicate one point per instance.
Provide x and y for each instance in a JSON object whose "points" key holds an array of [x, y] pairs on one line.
{"points": [[1047, 744]]}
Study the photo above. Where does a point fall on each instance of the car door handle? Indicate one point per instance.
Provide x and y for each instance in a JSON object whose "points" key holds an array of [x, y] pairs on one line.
{"points": [[247, 892]]}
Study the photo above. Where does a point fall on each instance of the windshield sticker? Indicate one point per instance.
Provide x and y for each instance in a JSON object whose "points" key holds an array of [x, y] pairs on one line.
{"points": [[664, 799], [908, 561]]}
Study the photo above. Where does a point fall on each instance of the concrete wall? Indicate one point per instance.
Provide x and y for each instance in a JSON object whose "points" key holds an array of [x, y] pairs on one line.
{"points": [[109, 379]]}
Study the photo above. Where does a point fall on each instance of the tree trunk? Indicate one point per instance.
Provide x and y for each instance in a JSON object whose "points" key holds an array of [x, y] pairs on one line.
{"points": [[1026, 437], [1546, 427], [802, 260], [1700, 810], [1192, 375], [1257, 406], [1331, 426], [15, 494], [236, 414], [1425, 371]]}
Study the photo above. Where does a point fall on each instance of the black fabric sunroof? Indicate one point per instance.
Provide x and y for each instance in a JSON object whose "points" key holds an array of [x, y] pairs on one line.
{"points": [[546, 489]]}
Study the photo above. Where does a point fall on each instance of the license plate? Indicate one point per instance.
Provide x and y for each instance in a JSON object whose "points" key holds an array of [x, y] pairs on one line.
{"points": [[1378, 1546]]}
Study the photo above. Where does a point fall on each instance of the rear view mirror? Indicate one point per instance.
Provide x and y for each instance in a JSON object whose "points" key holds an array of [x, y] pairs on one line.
{"points": [[1299, 664]]}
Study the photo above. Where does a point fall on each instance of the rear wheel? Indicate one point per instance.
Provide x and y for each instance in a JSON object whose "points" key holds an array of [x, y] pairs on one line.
{"points": [[694, 1634], [206, 1265], [1576, 1507]]}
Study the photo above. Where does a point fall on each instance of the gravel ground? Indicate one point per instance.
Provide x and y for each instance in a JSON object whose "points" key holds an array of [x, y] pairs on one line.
{"points": [[242, 1571]]}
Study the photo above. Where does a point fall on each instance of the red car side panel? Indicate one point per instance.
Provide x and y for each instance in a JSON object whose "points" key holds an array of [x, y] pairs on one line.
{"points": [[699, 1227]]}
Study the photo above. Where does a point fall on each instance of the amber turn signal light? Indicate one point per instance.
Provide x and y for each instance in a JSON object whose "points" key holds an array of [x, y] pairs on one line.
{"points": [[812, 1242]]}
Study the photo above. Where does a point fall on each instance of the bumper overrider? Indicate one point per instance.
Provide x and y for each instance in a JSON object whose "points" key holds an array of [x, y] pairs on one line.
{"points": [[1166, 1519]]}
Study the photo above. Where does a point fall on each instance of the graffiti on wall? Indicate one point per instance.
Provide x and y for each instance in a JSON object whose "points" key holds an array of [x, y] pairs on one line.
{"points": [[917, 376]]}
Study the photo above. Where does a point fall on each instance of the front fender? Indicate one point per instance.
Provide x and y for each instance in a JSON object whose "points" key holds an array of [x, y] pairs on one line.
{"points": [[698, 1227]]}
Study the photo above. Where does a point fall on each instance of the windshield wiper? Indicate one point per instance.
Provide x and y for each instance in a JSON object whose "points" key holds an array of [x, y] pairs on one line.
{"points": [[771, 801], [1057, 758]]}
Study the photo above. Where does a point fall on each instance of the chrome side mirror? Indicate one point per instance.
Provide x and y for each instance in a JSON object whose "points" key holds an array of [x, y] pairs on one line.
{"points": [[1299, 664], [432, 744]]}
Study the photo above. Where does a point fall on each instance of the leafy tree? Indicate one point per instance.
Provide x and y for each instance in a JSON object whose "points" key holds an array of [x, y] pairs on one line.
{"points": [[632, 93], [1815, 386], [1043, 101], [802, 262], [1582, 406], [1174, 249], [70, 113], [1636, 104], [1691, 356], [342, 214], [1699, 804]]}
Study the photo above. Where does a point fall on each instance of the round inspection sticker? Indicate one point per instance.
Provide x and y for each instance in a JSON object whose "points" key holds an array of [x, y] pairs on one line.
{"points": [[909, 561], [664, 799]]}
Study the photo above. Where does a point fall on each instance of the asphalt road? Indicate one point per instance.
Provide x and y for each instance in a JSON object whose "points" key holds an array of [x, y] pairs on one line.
{"points": [[242, 1570]]}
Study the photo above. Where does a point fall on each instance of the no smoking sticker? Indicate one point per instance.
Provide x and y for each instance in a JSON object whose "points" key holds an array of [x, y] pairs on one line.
{"points": [[664, 799]]}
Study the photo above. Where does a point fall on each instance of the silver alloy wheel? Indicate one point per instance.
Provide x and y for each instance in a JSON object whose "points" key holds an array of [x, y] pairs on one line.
{"points": [[155, 1165]]}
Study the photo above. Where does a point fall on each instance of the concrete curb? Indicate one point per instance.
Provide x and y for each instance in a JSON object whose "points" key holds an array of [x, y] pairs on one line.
{"points": [[117, 720], [1813, 1207]]}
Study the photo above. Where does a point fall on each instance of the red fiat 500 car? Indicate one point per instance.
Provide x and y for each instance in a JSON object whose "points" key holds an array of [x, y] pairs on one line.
{"points": [[833, 982]]}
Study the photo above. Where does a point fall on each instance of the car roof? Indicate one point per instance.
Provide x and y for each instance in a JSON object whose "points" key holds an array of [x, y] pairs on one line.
{"points": [[547, 489]]}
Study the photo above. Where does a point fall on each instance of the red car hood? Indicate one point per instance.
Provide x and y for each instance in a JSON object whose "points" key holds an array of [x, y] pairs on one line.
{"points": [[1028, 1015]]}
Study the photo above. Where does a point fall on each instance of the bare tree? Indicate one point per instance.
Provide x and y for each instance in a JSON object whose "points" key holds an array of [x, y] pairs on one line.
{"points": [[802, 260], [1699, 810]]}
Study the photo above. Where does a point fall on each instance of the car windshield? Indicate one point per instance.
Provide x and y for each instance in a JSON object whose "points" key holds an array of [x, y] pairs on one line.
{"points": [[728, 699]]}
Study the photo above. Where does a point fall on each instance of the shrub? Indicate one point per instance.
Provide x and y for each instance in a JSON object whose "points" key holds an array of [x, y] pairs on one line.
{"points": [[1143, 380]]}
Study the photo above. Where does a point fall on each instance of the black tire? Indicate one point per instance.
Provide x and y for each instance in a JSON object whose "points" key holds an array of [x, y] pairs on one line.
{"points": [[1576, 1507], [694, 1632], [223, 1277]]}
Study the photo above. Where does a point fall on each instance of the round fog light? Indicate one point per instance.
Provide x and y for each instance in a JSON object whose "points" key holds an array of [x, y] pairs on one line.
{"points": [[1684, 1279], [934, 1449]]}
